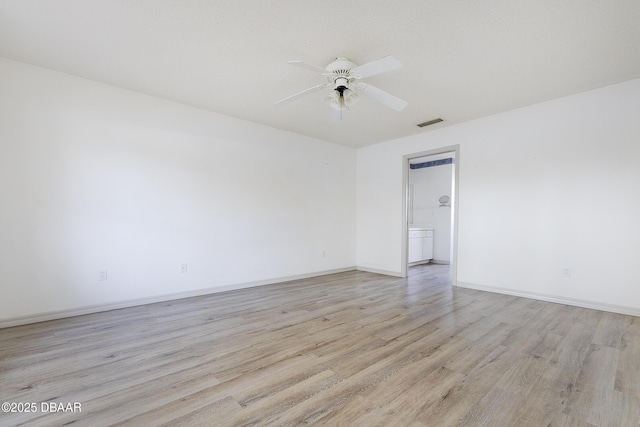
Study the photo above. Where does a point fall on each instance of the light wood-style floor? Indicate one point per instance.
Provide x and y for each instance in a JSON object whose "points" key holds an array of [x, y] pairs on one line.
{"points": [[350, 349]]}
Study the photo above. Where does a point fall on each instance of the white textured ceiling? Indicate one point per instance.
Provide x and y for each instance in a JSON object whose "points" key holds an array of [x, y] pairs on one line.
{"points": [[462, 58]]}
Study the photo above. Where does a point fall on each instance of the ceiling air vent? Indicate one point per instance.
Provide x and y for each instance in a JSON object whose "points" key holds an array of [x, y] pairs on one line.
{"points": [[430, 122]]}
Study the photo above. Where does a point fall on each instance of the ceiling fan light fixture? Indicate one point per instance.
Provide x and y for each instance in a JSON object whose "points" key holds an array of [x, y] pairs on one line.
{"points": [[337, 100], [333, 100], [349, 97]]}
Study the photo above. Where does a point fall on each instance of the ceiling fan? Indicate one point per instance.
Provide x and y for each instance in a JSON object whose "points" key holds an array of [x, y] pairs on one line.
{"points": [[343, 78]]}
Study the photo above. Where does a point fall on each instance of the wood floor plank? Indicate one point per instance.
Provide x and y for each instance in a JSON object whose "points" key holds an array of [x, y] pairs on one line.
{"points": [[352, 348], [460, 400], [268, 409], [220, 410], [593, 398], [376, 408], [610, 330], [629, 361], [494, 409], [545, 397], [563, 420]]}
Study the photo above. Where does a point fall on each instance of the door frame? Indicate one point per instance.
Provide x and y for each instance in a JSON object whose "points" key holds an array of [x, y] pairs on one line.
{"points": [[454, 205]]}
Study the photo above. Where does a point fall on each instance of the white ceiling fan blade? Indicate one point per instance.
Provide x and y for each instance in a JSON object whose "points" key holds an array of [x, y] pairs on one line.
{"points": [[385, 98], [382, 65], [306, 66], [303, 93]]}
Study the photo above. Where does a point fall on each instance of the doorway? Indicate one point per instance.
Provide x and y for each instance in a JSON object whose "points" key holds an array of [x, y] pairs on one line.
{"points": [[430, 215]]}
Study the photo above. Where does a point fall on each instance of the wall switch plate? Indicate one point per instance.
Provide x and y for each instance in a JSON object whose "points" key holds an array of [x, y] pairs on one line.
{"points": [[102, 275], [183, 268]]}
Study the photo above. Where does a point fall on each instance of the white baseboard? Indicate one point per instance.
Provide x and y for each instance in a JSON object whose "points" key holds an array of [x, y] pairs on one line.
{"points": [[378, 271], [632, 311], [429, 261], [43, 317]]}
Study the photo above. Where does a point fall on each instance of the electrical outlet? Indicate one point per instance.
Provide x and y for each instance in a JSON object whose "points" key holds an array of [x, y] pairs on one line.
{"points": [[566, 272], [102, 275], [324, 254], [183, 268]]}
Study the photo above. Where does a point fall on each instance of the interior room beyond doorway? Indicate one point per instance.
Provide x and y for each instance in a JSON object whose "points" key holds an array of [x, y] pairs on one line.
{"points": [[430, 210]]}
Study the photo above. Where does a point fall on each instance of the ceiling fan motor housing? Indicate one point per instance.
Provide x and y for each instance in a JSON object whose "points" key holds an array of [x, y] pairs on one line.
{"points": [[340, 73], [340, 84], [341, 65]]}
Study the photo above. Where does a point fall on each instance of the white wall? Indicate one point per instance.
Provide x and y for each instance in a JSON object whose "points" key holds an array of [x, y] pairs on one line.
{"points": [[429, 184], [541, 188], [94, 177]]}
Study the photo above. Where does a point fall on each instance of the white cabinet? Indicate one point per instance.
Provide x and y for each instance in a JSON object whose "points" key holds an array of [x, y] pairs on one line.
{"points": [[415, 249], [427, 246], [420, 245]]}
